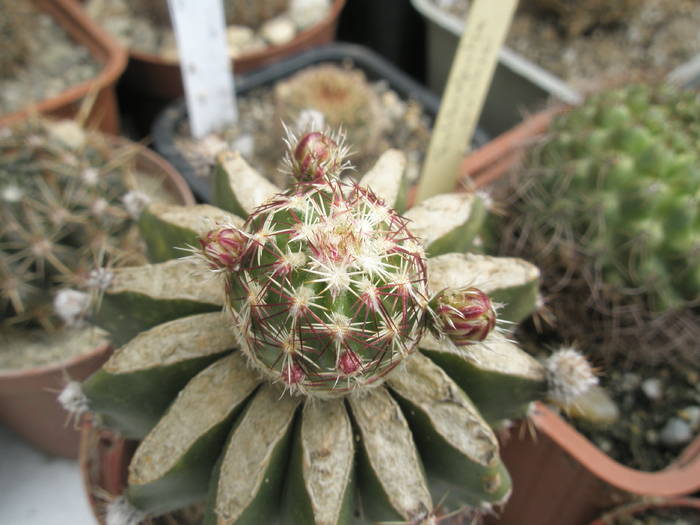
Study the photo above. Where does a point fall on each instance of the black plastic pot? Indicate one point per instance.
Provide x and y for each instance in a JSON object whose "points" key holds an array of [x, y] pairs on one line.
{"points": [[373, 65]]}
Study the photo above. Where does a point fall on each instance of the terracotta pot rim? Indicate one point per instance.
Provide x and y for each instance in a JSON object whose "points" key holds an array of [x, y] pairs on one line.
{"points": [[179, 185], [679, 478], [641, 506], [114, 60], [302, 36], [36, 371]]}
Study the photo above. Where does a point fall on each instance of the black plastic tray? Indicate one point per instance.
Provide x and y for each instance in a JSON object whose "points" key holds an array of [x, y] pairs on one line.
{"points": [[373, 65]]}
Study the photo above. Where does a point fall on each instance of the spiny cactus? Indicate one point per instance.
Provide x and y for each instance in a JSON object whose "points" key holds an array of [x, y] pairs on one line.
{"points": [[355, 353], [250, 13], [342, 96], [577, 16], [16, 22], [61, 214], [610, 200]]}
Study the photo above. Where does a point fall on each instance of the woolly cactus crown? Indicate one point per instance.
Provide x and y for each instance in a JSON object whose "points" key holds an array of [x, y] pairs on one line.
{"points": [[326, 291]]}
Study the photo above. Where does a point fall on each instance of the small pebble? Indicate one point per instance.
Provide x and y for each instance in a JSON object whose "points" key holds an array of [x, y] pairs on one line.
{"points": [[278, 31], [630, 381], [305, 13], [676, 432], [652, 388], [692, 416]]}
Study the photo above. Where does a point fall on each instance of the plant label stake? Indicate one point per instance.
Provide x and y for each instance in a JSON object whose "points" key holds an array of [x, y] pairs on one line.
{"points": [[200, 32], [469, 79]]}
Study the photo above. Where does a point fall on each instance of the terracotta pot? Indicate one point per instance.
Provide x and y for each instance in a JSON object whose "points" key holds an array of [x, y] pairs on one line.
{"points": [[104, 113], [104, 460], [559, 476], [28, 402], [154, 76], [643, 506]]}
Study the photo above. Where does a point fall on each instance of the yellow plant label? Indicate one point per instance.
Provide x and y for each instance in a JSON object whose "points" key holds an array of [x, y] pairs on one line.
{"points": [[470, 77]]}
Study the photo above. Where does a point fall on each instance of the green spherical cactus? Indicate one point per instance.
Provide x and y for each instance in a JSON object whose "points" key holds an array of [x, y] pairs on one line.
{"points": [[617, 182], [355, 356]]}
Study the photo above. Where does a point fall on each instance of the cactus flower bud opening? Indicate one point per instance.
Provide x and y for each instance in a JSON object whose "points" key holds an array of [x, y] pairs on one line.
{"points": [[467, 315], [315, 156], [224, 247]]}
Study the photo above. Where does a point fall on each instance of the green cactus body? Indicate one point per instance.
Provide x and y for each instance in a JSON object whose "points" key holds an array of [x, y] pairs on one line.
{"points": [[618, 182], [314, 365]]}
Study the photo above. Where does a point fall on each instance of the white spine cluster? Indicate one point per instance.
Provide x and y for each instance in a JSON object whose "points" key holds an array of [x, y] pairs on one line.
{"points": [[135, 201], [569, 375], [73, 400], [71, 306], [121, 512]]}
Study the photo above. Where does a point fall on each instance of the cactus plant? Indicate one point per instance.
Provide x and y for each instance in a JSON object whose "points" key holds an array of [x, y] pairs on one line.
{"points": [[354, 351], [609, 200], [62, 212], [577, 17], [342, 96]]}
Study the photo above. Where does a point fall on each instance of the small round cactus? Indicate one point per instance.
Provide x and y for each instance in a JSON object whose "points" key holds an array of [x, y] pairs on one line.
{"points": [[342, 96], [348, 366]]}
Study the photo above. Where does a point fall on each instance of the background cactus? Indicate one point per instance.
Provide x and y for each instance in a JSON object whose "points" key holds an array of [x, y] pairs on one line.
{"points": [[16, 22], [338, 387], [577, 17], [342, 96], [63, 211], [608, 208]]}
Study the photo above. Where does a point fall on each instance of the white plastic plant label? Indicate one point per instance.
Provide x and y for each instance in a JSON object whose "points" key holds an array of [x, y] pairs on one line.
{"points": [[200, 33], [472, 70]]}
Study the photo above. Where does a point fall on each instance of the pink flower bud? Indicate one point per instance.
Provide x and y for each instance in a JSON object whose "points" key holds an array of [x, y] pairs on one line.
{"points": [[223, 248], [349, 362], [467, 315], [315, 156], [293, 374]]}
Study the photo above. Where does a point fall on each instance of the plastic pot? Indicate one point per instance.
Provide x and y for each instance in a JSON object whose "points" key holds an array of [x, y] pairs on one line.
{"points": [[103, 113], [682, 504], [373, 66], [519, 84], [28, 402], [559, 476]]}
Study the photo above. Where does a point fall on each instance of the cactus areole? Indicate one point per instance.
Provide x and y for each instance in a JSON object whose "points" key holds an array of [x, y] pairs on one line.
{"points": [[368, 356]]}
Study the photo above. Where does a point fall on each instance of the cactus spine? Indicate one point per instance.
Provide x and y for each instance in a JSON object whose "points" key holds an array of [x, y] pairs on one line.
{"points": [[334, 307]]}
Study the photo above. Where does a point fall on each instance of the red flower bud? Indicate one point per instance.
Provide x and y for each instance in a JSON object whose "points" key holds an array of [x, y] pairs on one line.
{"points": [[467, 315], [315, 156], [224, 247], [349, 362], [293, 374]]}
